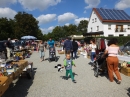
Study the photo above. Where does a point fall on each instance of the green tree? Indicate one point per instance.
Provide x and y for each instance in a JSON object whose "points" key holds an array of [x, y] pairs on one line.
{"points": [[57, 33], [4, 28], [25, 24], [82, 27]]}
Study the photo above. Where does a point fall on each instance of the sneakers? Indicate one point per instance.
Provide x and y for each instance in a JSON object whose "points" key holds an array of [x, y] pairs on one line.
{"points": [[119, 82], [73, 81]]}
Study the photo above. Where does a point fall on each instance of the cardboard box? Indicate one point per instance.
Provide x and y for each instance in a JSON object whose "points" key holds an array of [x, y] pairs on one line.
{"points": [[125, 71], [24, 62], [79, 52], [17, 73], [61, 52], [10, 78], [3, 84], [88, 57]]}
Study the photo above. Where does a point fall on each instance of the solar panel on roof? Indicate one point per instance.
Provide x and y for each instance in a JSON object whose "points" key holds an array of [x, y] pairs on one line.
{"points": [[112, 14], [115, 13], [124, 14], [101, 13], [106, 14]]}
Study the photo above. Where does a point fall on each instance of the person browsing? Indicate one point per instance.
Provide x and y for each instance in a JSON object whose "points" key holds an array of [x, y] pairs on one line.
{"points": [[68, 46], [51, 43], [92, 48], [112, 60]]}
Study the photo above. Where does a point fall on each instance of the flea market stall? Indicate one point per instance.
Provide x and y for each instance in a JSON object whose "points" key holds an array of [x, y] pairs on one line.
{"points": [[13, 69], [124, 60]]}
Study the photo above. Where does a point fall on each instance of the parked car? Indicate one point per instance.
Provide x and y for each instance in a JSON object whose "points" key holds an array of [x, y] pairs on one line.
{"points": [[125, 47]]}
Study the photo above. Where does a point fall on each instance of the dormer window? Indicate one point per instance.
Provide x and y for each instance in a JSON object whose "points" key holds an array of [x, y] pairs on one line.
{"points": [[95, 19], [92, 20]]}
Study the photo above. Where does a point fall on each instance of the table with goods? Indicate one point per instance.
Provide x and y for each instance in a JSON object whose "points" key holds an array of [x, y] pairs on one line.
{"points": [[12, 69], [124, 60]]}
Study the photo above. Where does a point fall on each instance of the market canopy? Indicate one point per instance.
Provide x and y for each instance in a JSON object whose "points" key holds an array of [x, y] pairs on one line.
{"points": [[28, 37], [93, 33]]}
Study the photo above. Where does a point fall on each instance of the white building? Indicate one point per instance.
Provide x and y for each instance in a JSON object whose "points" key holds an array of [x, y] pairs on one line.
{"points": [[109, 22]]}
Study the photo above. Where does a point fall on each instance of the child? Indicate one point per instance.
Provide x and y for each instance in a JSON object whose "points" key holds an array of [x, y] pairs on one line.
{"points": [[68, 66]]}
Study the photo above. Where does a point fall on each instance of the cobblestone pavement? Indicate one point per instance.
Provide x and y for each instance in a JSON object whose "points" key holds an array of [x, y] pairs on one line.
{"points": [[48, 82]]}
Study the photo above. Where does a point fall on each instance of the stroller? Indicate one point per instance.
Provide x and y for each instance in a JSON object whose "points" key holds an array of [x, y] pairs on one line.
{"points": [[52, 54], [100, 64]]}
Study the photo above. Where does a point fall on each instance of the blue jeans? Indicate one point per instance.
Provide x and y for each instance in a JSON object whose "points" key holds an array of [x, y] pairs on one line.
{"points": [[93, 55], [42, 54], [75, 54]]}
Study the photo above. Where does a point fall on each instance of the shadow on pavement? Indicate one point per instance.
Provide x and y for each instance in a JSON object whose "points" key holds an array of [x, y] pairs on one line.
{"points": [[64, 77], [53, 59], [21, 87], [128, 92]]}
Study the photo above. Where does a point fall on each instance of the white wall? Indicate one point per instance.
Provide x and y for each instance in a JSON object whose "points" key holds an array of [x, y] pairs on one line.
{"points": [[104, 26], [107, 32], [95, 24]]}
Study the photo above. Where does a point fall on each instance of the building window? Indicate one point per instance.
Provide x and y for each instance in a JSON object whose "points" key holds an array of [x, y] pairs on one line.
{"points": [[128, 26], [91, 29], [97, 28], [110, 35], [128, 35], [109, 27], [121, 34], [92, 20], [119, 28], [95, 19]]}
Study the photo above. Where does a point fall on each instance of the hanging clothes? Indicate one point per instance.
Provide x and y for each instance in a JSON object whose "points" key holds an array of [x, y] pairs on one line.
{"points": [[98, 43], [103, 47]]}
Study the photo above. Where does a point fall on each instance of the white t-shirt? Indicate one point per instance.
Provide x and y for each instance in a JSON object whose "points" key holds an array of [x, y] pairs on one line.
{"points": [[93, 47]]}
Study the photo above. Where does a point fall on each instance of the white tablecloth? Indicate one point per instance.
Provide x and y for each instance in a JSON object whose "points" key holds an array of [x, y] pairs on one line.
{"points": [[124, 58]]}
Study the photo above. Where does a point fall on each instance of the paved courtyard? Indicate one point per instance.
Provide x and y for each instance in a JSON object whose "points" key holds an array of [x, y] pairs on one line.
{"points": [[48, 82]]}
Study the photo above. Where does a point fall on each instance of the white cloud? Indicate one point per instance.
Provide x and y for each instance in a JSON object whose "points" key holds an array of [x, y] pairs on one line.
{"points": [[43, 19], [66, 17], [123, 4], [92, 3], [77, 21], [7, 12], [38, 4], [67, 24], [6, 2], [45, 31]]}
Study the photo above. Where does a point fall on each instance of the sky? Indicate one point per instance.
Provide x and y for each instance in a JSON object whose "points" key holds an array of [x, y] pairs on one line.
{"points": [[52, 13]]}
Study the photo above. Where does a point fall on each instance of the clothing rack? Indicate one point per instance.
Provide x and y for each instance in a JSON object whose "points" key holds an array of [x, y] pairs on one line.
{"points": [[101, 44]]}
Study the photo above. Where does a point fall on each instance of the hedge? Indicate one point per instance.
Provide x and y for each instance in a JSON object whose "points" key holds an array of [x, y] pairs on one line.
{"points": [[121, 40]]}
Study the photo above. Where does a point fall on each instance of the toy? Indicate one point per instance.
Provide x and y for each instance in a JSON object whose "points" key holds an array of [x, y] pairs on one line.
{"points": [[59, 66]]}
